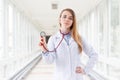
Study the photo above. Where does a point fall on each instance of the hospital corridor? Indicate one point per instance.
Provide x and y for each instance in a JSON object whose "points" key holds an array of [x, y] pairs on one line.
{"points": [[22, 22]]}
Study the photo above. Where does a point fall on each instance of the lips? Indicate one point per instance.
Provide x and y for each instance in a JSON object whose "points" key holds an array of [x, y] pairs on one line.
{"points": [[66, 23]]}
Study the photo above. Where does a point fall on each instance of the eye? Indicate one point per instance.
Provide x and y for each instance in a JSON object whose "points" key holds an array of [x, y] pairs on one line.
{"points": [[64, 16], [70, 18]]}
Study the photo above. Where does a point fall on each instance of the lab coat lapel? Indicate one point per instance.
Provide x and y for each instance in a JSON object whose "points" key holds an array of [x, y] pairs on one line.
{"points": [[59, 36], [71, 40]]}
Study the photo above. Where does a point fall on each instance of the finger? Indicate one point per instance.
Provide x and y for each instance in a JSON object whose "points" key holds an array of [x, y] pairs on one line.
{"points": [[40, 44], [78, 67], [78, 71], [42, 39]]}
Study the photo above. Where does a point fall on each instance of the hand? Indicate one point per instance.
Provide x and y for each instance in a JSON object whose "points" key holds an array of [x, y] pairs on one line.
{"points": [[79, 70], [43, 44]]}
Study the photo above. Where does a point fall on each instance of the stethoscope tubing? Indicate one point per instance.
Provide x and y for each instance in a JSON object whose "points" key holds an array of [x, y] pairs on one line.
{"points": [[57, 45]]}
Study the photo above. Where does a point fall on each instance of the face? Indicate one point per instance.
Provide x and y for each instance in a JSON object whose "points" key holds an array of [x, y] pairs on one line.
{"points": [[66, 20]]}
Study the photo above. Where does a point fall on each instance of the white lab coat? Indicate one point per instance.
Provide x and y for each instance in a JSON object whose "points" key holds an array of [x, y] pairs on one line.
{"points": [[67, 58]]}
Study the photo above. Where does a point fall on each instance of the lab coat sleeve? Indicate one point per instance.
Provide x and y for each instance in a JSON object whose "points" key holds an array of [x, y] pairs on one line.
{"points": [[93, 56], [49, 57]]}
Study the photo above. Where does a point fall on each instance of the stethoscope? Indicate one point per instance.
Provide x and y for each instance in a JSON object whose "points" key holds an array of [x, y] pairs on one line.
{"points": [[43, 34]]}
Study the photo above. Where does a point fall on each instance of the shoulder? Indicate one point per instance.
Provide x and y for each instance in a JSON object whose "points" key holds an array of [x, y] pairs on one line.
{"points": [[84, 41], [54, 36]]}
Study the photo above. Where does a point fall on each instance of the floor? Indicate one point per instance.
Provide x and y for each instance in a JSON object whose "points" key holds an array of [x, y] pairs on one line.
{"points": [[43, 71]]}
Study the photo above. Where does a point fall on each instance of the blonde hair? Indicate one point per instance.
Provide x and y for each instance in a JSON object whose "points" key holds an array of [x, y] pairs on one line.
{"points": [[73, 28]]}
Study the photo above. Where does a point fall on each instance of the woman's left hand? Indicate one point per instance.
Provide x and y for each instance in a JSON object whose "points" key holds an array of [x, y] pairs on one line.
{"points": [[79, 70]]}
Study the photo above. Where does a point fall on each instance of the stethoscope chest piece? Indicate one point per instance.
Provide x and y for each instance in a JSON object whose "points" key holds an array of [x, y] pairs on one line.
{"points": [[43, 34]]}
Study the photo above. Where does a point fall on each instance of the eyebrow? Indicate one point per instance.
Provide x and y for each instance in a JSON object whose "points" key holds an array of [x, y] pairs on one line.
{"points": [[66, 15]]}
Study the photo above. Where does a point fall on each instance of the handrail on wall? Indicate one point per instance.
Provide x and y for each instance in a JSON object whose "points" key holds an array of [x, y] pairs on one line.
{"points": [[21, 74]]}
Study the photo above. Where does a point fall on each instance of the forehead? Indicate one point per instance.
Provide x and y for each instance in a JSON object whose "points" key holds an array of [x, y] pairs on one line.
{"points": [[67, 13]]}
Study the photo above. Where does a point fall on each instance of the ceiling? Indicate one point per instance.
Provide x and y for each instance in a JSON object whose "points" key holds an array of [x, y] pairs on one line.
{"points": [[42, 14]]}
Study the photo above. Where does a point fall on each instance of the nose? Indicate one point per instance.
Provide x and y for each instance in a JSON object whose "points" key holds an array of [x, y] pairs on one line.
{"points": [[67, 19]]}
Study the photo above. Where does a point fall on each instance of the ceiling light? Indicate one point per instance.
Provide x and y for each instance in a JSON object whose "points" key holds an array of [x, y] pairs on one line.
{"points": [[54, 5]]}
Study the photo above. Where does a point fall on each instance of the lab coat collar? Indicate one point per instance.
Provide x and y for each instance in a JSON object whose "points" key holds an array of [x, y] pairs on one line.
{"points": [[59, 36]]}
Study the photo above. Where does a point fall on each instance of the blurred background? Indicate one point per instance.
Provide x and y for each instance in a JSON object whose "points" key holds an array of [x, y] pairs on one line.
{"points": [[21, 22]]}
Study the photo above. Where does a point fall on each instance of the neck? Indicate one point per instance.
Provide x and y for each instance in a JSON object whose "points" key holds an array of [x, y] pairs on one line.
{"points": [[65, 31]]}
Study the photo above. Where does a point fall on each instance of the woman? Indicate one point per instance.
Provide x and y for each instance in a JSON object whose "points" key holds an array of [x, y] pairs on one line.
{"points": [[66, 47]]}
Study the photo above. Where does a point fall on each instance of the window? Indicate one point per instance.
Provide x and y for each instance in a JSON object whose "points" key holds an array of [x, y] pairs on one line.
{"points": [[1, 28], [10, 29], [115, 28]]}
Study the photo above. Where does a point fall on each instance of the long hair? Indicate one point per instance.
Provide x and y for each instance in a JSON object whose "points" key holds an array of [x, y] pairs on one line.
{"points": [[73, 28]]}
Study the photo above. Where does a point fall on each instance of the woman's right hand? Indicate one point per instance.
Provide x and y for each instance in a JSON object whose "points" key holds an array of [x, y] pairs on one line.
{"points": [[43, 44]]}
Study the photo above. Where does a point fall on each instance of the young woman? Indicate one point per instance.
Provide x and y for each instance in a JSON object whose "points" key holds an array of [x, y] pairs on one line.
{"points": [[64, 49]]}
